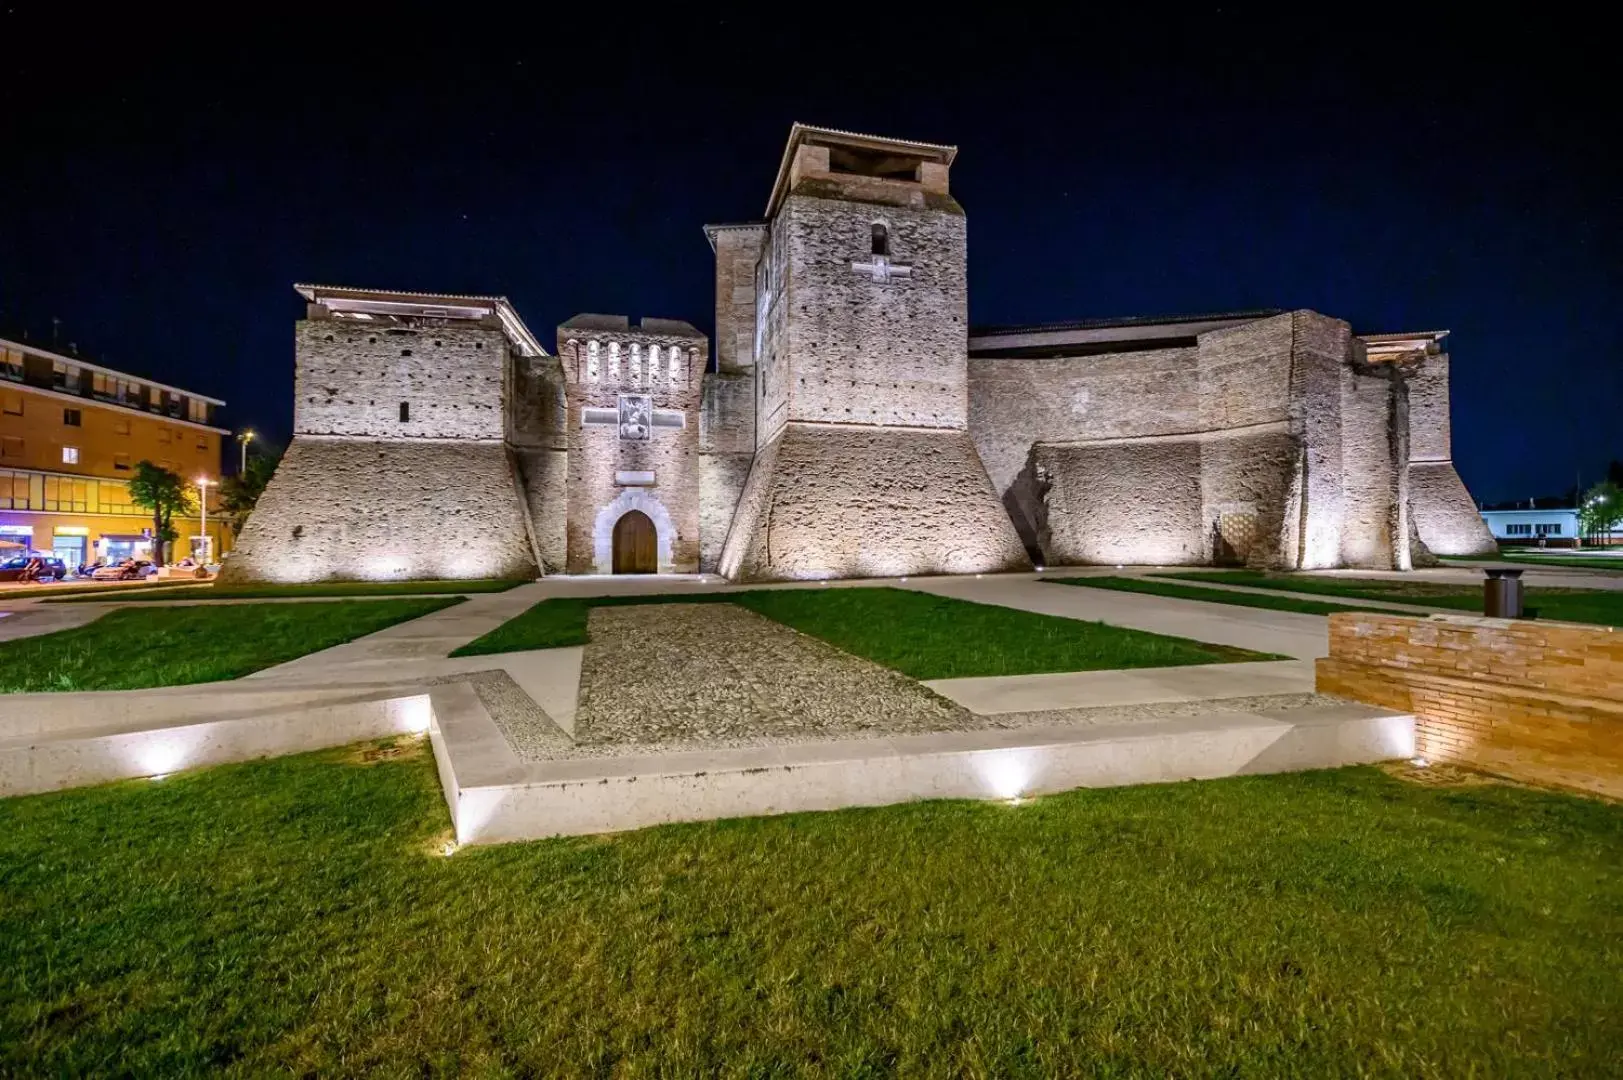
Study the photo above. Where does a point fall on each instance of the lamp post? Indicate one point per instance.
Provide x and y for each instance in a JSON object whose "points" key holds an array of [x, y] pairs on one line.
{"points": [[203, 483], [243, 439]]}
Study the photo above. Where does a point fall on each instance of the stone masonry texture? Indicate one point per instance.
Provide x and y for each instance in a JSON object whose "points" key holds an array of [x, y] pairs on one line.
{"points": [[1533, 700], [827, 501], [609, 475], [385, 509]]}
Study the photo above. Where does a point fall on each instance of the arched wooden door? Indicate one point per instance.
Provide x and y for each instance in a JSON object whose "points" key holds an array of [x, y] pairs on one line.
{"points": [[635, 544]]}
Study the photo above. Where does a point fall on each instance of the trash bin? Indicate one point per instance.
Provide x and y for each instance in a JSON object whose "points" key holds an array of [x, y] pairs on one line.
{"points": [[1502, 594]]}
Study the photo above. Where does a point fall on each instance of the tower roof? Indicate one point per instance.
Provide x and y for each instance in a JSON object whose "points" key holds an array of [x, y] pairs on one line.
{"points": [[801, 134], [388, 303]]}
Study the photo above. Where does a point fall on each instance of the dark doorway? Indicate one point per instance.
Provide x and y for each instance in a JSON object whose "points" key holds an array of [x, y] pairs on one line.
{"points": [[635, 544]]}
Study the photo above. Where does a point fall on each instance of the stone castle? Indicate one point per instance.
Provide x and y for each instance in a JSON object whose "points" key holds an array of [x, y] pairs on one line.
{"points": [[853, 424]]}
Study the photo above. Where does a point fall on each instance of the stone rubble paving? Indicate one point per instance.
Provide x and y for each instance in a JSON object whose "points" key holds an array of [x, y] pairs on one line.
{"points": [[675, 672]]}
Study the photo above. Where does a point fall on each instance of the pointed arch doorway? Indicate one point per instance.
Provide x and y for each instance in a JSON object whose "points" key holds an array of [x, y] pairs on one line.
{"points": [[636, 549]]}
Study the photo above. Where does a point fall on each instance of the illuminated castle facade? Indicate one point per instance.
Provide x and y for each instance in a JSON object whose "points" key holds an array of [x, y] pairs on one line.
{"points": [[853, 424]]}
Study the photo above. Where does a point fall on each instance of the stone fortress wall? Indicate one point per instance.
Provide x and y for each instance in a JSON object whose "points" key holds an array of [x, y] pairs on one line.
{"points": [[853, 426], [397, 467], [1273, 441]]}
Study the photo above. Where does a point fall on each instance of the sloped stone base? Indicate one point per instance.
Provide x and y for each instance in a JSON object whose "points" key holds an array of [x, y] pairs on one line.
{"points": [[385, 510], [833, 502], [1444, 513]]}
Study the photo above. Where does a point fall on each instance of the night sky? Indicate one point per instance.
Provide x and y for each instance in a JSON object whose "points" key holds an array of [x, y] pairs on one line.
{"points": [[161, 191]]}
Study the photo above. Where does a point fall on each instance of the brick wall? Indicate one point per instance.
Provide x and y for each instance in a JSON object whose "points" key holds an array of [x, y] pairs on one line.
{"points": [[1539, 701]]}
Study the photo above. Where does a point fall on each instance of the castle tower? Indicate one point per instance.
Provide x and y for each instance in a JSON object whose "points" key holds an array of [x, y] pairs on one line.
{"points": [[864, 464], [398, 468]]}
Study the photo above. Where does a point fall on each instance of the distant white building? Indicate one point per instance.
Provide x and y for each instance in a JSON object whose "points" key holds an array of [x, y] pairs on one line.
{"points": [[1553, 527]]}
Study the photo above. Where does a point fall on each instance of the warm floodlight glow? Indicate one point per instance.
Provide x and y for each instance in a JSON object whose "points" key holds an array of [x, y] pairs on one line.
{"points": [[413, 714], [1007, 774], [1420, 763], [449, 849], [159, 753]]}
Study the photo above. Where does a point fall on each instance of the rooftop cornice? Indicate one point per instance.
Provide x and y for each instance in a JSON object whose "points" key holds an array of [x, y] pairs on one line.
{"points": [[525, 342], [23, 346]]}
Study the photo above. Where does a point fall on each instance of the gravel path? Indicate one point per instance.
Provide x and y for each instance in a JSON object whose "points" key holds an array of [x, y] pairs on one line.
{"points": [[679, 672]]}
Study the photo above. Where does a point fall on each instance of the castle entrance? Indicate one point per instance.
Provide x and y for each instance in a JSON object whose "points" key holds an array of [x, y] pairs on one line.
{"points": [[635, 544]]}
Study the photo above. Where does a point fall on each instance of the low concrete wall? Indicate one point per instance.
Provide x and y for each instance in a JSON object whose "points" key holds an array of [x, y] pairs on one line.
{"points": [[495, 798], [1538, 701], [68, 743]]}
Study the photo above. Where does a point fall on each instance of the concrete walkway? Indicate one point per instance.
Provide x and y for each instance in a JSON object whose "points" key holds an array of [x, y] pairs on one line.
{"points": [[1304, 637]]}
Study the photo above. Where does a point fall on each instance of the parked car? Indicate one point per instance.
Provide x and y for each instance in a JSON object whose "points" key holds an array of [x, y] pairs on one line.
{"points": [[128, 570], [47, 568]]}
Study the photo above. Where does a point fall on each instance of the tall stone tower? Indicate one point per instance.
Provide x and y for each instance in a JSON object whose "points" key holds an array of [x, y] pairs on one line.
{"points": [[863, 465], [398, 468]]}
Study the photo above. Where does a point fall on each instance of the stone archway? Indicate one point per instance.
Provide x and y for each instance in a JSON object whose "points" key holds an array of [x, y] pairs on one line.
{"points": [[634, 544], [639, 499]]}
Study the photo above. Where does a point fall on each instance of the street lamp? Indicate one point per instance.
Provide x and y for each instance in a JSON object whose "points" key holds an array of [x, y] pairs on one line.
{"points": [[244, 438], [203, 483]]}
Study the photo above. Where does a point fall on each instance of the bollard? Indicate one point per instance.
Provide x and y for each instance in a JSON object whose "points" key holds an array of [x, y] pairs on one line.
{"points": [[1502, 594]]}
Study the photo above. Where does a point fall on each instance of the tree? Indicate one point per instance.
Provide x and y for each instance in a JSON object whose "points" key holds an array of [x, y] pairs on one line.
{"points": [[240, 493], [165, 494], [1602, 509]]}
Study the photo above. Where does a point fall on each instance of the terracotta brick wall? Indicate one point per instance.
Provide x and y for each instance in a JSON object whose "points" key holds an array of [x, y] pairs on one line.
{"points": [[1539, 701]]}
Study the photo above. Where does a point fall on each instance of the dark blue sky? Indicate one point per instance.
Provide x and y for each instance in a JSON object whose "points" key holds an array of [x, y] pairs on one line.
{"points": [[161, 191]]}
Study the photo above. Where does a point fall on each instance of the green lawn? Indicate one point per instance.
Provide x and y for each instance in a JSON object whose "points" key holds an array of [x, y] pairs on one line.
{"points": [[1571, 605], [1615, 565], [269, 592], [292, 917], [1215, 596], [924, 636], [130, 648]]}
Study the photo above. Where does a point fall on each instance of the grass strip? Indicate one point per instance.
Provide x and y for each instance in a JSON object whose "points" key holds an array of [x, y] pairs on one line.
{"points": [[131, 649], [919, 634], [1214, 596], [1601, 606], [358, 589]]}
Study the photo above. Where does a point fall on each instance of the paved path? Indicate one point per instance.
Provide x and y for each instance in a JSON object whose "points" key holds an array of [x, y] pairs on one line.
{"points": [[995, 694], [1285, 632]]}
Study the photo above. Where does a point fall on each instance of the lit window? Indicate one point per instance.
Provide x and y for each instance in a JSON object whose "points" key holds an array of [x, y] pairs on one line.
{"points": [[636, 363], [614, 361], [676, 365], [70, 455], [591, 362]]}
